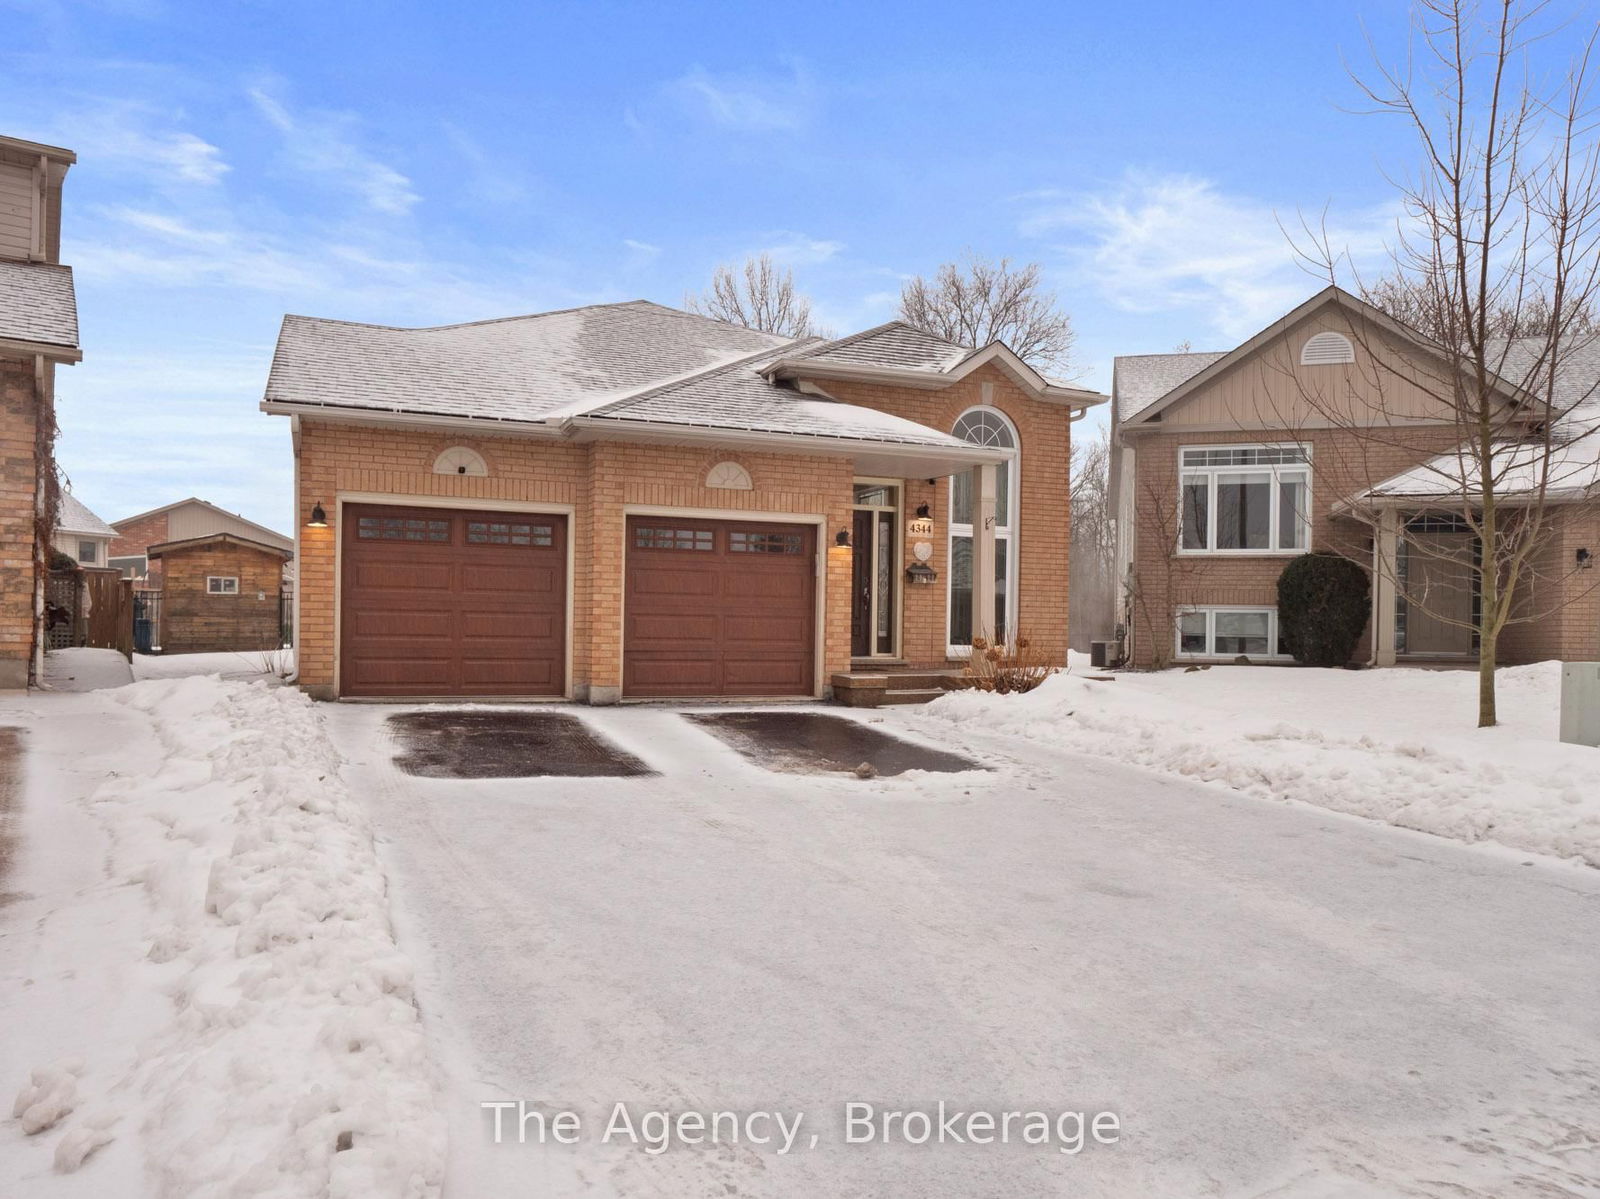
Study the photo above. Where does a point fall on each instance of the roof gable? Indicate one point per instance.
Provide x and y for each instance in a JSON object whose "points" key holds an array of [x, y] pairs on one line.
{"points": [[74, 516], [1354, 308]]}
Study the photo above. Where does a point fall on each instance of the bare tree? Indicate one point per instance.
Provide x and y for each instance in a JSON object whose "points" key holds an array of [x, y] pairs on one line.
{"points": [[1496, 263], [976, 301], [758, 295], [1091, 586]]}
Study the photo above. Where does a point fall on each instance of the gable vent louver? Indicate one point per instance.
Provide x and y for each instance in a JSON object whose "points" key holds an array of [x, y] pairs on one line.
{"points": [[1327, 349]]}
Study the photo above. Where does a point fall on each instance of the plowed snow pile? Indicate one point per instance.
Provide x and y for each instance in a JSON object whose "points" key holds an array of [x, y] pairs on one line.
{"points": [[1394, 745], [254, 1032]]}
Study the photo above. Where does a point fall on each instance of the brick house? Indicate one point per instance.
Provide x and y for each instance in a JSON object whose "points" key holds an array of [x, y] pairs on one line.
{"points": [[182, 520], [220, 592], [627, 501], [38, 331], [1326, 431]]}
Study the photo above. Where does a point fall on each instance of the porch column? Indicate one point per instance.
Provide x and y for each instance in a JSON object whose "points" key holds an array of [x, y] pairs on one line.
{"points": [[983, 521], [1385, 565]]}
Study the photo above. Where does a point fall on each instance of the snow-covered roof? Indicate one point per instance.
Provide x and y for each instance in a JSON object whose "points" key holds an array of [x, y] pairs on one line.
{"points": [[1576, 395], [37, 304], [617, 365], [75, 517], [895, 344], [741, 397], [1139, 380], [1519, 469], [523, 368]]}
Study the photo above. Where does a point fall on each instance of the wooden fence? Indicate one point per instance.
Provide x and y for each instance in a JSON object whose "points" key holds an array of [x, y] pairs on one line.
{"points": [[89, 607]]}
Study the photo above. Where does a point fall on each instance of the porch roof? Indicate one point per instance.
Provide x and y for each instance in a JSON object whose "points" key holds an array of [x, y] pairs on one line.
{"points": [[39, 309], [1518, 471]]}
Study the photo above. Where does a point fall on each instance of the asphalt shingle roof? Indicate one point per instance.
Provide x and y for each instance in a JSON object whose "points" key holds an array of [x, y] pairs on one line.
{"points": [[37, 303], [1140, 380], [740, 397], [75, 517], [526, 368], [895, 344]]}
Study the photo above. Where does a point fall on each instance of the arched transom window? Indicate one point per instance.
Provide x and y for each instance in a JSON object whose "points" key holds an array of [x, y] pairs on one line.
{"points": [[986, 427]]}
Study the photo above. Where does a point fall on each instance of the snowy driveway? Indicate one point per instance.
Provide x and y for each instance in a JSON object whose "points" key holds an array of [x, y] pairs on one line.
{"points": [[1277, 1001]]}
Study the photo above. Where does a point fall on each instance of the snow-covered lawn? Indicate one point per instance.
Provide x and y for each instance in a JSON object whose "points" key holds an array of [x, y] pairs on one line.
{"points": [[200, 988], [1393, 745]]}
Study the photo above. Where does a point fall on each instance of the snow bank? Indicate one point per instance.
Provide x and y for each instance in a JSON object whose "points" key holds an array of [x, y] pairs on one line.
{"points": [[293, 1063], [1392, 745]]}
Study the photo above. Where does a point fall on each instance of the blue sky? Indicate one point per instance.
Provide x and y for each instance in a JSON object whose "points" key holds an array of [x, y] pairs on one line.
{"points": [[412, 163]]}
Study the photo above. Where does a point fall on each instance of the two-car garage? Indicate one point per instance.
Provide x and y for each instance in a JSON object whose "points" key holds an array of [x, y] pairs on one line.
{"points": [[446, 602]]}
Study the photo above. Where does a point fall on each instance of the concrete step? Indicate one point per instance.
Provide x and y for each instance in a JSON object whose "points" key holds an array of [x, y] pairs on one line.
{"points": [[909, 695]]}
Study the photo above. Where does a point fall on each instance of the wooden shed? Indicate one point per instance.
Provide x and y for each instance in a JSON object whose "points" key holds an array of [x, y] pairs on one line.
{"points": [[221, 592]]}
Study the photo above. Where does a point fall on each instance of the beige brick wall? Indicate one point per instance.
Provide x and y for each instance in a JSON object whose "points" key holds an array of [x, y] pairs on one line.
{"points": [[17, 482], [1343, 464], [1042, 525], [597, 480], [194, 621], [601, 480], [1560, 602]]}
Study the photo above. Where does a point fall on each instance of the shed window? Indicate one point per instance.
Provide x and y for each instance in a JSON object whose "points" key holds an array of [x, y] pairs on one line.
{"points": [[222, 584]]}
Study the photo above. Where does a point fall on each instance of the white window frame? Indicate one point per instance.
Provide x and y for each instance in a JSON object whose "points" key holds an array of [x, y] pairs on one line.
{"points": [[1210, 654], [1274, 471], [212, 589], [1007, 534]]}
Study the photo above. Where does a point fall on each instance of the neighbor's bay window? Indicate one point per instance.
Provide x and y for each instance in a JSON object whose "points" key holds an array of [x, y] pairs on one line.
{"points": [[1245, 499]]}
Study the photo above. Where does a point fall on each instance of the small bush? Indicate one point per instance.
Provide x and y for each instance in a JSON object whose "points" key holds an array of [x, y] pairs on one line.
{"points": [[1006, 669], [1323, 605]]}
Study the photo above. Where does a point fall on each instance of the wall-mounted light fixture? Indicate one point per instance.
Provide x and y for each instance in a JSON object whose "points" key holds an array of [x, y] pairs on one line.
{"points": [[923, 511], [842, 538], [1585, 559], [319, 518]]}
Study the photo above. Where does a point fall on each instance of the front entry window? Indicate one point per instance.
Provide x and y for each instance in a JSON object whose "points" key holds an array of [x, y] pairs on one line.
{"points": [[875, 579], [986, 427]]}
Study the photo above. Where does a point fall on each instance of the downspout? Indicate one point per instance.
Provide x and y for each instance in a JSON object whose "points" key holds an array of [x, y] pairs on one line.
{"points": [[41, 559], [299, 562]]}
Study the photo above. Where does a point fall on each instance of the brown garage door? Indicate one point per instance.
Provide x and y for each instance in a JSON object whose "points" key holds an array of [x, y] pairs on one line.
{"points": [[442, 602], [719, 608]]}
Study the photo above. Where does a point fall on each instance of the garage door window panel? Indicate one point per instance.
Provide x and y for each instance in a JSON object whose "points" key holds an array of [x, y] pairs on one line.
{"points": [[655, 538], [396, 528]]}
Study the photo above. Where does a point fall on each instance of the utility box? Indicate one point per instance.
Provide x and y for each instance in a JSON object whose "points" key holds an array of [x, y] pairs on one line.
{"points": [[1580, 703], [1101, 654]]}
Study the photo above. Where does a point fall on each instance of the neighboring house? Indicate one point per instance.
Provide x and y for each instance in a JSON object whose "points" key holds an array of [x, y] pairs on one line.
{"points": [[183, 520], [80, 534], [220, 592], [627, 501], [38, 331], [1227, 465]]}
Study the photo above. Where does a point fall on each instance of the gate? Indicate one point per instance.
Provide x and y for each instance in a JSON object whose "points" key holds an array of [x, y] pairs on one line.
{"points": [[91, 608], [146, 621]]}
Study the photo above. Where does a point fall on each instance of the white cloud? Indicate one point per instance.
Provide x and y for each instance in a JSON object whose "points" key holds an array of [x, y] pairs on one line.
{"points": [[750, 103], [131, 137], [322, 144], [641, 253], [1176, 242], [796, 249]]}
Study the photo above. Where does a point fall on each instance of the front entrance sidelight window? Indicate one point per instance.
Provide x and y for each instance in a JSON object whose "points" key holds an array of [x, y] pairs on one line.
{"points": [[986, 427], [875, 573], [1245, 499]]}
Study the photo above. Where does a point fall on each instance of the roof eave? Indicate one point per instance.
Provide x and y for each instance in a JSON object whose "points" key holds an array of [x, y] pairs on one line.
{"points": [[796, 368], [54, 351], [351, 414]]}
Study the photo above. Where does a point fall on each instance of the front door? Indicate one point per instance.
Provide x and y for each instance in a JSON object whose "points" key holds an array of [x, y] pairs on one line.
{"points": [[875, 573], [1440, 590]]}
